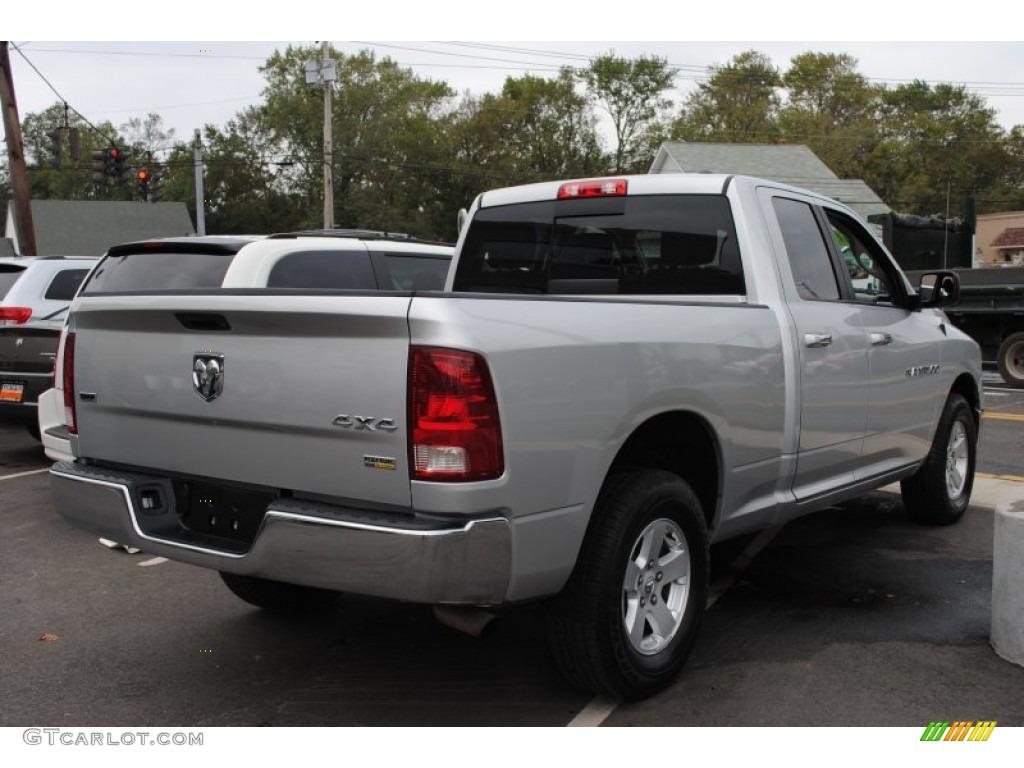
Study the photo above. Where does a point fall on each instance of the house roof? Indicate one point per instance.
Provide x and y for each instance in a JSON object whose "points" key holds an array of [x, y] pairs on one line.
{"points": [[1011, 237], [792, 164], [90, 227]]}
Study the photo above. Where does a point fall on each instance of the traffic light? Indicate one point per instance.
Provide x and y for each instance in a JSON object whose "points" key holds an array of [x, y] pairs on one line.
{"points": [[142, 179], [118, 164], [99, 165], [113, 162]]}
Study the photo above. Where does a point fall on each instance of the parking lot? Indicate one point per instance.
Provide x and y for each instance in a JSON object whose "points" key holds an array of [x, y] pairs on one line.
{"points": [[849, 617]]}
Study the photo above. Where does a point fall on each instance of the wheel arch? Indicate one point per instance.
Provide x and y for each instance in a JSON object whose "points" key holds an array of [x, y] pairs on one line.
{"points": [[683, 443], [968, 387]]}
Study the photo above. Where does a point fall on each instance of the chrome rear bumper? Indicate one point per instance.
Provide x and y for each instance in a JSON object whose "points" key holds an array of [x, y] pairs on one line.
{"points": [[314, 544]]}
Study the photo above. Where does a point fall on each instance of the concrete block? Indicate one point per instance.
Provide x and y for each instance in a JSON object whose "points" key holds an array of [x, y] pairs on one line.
{"points": [[1008, 582]]}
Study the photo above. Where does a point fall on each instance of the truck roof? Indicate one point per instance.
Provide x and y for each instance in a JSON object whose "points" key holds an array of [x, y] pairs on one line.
{"points": [[645, 184]]}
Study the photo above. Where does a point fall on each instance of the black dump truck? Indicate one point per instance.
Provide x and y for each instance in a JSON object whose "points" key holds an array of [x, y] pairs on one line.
{"points": [[991, 311], [991, 306]]}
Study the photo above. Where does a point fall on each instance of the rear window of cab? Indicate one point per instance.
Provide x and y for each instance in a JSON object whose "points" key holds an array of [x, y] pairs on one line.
{"points": [[632, 245]]}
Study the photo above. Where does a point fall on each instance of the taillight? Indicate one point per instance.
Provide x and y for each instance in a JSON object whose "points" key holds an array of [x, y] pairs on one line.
{"points": [[455, 431], [69, 384], [17, 315], [595, 188]]}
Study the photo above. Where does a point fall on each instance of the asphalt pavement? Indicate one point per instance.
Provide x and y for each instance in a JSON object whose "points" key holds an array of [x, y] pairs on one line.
{"points": [[852, 616]]}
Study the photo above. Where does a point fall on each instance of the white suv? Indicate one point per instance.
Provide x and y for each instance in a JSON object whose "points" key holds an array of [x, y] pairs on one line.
{"points": [[35, 287], [341, 259], [35, 293]]}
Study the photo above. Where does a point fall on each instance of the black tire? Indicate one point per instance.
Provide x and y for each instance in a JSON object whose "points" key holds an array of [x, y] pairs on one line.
{"points": [[587, 623], [276, 596], [939, 492], [1010, 359]]}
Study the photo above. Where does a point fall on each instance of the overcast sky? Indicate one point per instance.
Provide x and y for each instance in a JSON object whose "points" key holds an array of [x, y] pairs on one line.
{"points": [[191, 84]]}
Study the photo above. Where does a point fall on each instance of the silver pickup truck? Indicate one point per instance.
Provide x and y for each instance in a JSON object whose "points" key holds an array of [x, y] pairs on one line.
{"points": [[618, 373]]}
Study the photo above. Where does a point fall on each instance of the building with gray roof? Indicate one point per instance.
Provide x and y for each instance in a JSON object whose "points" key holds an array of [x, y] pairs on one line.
{"points": [[792, 164], [90, 227]]}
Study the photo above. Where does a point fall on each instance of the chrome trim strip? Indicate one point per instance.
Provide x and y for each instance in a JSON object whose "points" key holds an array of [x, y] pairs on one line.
{"points": [[295, 517]]}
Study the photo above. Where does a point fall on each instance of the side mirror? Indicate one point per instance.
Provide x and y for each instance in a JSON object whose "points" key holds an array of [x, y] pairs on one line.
{"points": [[938, 289]]}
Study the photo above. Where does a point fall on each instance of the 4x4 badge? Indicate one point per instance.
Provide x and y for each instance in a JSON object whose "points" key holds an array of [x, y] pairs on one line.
{"points": [[208, 375]]}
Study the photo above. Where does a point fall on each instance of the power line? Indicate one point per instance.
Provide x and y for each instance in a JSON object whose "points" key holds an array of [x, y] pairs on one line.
{"points": [[708, 72], [160, 54], [61, 97]]}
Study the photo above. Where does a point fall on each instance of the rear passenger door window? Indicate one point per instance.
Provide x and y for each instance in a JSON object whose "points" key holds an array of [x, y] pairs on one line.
{"points": [[65, 284], [806, 251], [326, 270]]}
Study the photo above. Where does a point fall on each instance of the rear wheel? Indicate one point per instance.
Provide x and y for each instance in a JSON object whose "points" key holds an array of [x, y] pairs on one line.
{"points": [[1010, 359], [627, 620], [276, 596], [940, 491]]}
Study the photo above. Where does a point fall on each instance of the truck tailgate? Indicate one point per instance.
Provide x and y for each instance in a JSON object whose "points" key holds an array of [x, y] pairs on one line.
{"points": [[312, 398]]}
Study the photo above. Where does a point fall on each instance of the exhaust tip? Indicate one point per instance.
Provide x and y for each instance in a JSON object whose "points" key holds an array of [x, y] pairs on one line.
{"points": [[474, 622]]}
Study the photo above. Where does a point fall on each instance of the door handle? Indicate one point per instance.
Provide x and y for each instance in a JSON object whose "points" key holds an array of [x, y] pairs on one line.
{"points": [[817, 340], [880, 339]]}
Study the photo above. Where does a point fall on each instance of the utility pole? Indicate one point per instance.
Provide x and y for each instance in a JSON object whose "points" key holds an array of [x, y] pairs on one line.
{"points": [[324, 72], [16, 159], [200, 195], [328, 136]]}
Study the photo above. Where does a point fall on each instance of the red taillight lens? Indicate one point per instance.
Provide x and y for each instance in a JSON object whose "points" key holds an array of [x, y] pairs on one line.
{"points": [[596, 188], [16, 315], [455, 431], [68, 370]]}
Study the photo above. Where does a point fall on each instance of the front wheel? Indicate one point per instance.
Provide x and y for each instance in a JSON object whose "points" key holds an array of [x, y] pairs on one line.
{"points": [[1010, 359], [276, 596], [939, 492], [628, 617]]}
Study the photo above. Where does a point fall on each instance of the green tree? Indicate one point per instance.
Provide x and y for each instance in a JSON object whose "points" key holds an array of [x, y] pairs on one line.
{"points": [[534, 129], [385, 127], [1006, 193], [940, 144], [549, 128], [246, 182], [740, 102], [632, 91], [831, 108], [73, 180], [475, 158]]}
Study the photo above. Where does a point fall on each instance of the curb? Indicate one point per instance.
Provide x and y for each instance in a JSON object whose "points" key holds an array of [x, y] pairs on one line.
{"points": [[1007, 632]]}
